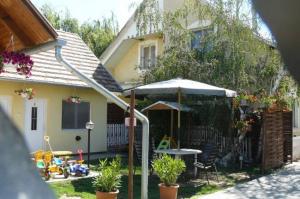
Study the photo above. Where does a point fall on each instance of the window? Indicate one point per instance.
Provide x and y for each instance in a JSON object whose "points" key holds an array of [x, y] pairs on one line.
{"points": [[198, 39], [147, 56], [34, 118], [75, 116]]}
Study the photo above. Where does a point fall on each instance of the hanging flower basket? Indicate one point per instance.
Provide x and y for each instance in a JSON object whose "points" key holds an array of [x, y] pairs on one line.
{"points": [[74, 99], [26, 93], [22, 62]]}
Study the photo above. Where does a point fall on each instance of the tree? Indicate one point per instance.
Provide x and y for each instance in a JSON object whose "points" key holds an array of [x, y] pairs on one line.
{"points": [[97, 34], [231, 53]]}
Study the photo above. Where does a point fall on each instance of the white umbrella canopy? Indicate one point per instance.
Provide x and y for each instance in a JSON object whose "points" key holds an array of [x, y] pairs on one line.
{"points": [[184, 85], [178, 87]]}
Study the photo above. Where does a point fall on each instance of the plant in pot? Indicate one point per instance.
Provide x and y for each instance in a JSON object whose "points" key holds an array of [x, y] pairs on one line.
{"points": [[109, 179], [168, 169]]}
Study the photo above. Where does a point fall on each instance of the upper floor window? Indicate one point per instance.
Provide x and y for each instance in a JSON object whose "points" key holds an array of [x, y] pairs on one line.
{"points": [[147, 56], [75, 116], [198, 39]]}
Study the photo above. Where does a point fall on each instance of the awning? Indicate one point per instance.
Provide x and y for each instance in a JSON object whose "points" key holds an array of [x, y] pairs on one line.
{"points": [[163, 105], [185, 86]]}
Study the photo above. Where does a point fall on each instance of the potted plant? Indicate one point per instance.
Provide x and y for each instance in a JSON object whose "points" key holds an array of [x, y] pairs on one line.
{"points": [[109, 179], [74, 99], [23, 62], [26, 93], [168, 169]]}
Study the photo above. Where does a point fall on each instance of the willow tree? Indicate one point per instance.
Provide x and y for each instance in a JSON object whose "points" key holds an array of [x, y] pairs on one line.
{"points": [[231, 54]]}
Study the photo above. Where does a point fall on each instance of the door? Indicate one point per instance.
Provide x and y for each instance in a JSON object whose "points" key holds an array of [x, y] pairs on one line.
{"points": [[5, 103], [35, 111]]}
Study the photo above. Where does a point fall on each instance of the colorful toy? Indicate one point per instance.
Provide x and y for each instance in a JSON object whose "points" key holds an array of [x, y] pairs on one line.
{"points": [[40, 164], [77, 168], [55, 166]]}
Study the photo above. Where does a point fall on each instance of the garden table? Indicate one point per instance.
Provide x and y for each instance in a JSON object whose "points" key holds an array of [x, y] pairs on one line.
{"points": [[180, 152]]}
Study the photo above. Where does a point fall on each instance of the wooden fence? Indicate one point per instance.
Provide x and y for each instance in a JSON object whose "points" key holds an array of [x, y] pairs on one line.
{"points": [[117, 136], [203, 134], [277, 139]]}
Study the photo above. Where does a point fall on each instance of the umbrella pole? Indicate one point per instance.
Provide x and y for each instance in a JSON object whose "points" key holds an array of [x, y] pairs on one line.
{"points": [[131, 143], [178, 122], [172, 123]]}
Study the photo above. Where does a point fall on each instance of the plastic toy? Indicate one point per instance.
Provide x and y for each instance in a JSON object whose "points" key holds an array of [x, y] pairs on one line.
{"points": [[77, 168], [55, 166], [40, 164]]}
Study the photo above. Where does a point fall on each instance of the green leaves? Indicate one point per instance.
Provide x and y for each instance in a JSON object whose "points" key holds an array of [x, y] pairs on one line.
{"points": [[168, 169], [232, 55], [97, 34], [109, 178]]}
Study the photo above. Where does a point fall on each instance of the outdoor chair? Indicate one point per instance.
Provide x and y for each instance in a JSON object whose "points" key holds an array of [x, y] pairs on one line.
{"points": [[138, 153], [208, 160]]}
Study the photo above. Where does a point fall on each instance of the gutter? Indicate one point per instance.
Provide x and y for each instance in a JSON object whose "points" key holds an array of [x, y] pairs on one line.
{"points": [[109, 95]]}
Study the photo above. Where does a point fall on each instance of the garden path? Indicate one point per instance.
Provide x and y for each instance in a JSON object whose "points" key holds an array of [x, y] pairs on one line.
{"points": [[284, 184]]}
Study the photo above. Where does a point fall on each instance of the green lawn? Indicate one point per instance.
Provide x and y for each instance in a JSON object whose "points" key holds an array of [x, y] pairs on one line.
{"points": [[188, 188], [84, 189]]}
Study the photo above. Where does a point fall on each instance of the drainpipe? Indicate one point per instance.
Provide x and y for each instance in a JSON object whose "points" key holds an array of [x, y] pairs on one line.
{"points": [[109, 95]]}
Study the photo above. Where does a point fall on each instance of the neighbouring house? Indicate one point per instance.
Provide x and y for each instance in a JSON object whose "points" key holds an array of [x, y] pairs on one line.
{"points": [[130, 54], [49, 113]]}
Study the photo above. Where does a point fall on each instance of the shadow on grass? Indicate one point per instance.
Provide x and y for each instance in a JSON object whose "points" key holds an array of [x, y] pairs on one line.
{"points": [[83, 185]]}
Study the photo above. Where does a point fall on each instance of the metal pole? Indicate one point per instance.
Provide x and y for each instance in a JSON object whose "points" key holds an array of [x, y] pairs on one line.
{"points": [[89, 139], [131, 142], [178, 122], [172, 123]]}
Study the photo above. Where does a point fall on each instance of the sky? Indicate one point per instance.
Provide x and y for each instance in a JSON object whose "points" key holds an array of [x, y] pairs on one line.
{"points": [[85, 10], [93, 9]]}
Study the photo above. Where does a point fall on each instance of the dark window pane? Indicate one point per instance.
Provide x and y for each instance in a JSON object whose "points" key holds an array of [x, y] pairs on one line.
{"points": [[75, 116], [83, 114], [68, 115], [152, 55], [33, 118]]}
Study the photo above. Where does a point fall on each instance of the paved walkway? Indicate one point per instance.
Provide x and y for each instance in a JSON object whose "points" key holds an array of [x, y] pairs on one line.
{"points": [[284, 184]]}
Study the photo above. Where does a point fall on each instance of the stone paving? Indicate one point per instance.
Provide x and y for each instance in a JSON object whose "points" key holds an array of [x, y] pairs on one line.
{"points": [[284, 184]]}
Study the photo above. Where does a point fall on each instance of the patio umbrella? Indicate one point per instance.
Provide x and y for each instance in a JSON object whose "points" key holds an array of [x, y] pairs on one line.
{"points": [[178, 87]]}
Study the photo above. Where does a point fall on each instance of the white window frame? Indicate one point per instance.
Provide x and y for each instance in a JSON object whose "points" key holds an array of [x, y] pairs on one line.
{"points": [[147, 43]]}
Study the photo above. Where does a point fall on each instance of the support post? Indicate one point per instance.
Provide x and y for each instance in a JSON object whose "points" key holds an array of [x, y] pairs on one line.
{"points": [[89, 148], [131, 142]]}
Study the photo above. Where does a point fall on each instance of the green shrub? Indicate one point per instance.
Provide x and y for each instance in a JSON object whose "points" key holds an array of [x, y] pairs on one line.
{"points": [[109, 178], [168, 169]]}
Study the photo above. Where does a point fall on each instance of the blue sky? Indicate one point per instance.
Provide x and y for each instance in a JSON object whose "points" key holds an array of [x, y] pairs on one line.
{"points": [[93, 9]]}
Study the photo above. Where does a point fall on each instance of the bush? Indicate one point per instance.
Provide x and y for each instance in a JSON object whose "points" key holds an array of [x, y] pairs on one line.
{"points": [[109, 178], [168, 169]]}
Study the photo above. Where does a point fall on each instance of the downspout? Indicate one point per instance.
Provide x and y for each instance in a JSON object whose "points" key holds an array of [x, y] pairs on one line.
{"points": [[109, 95]]}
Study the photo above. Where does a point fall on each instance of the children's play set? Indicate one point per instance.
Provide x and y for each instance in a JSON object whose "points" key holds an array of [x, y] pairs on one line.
{"points": [[50, 166]]}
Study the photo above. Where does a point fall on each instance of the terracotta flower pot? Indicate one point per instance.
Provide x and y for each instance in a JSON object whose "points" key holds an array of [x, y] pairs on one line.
{"points": [[107, 195], [168, 192]]}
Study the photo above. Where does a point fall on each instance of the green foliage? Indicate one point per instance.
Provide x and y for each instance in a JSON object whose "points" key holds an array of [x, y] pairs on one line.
{"points": [[168, 169], [109, 178], [231, 54], [97, 34]]}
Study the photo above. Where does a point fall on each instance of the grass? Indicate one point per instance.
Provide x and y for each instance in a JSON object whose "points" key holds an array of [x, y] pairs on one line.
{"points": [[188, 188], [83, 188]]}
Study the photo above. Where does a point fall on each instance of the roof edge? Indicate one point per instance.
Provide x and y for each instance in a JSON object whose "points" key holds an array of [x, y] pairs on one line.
{"points": [[41, 18]]}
